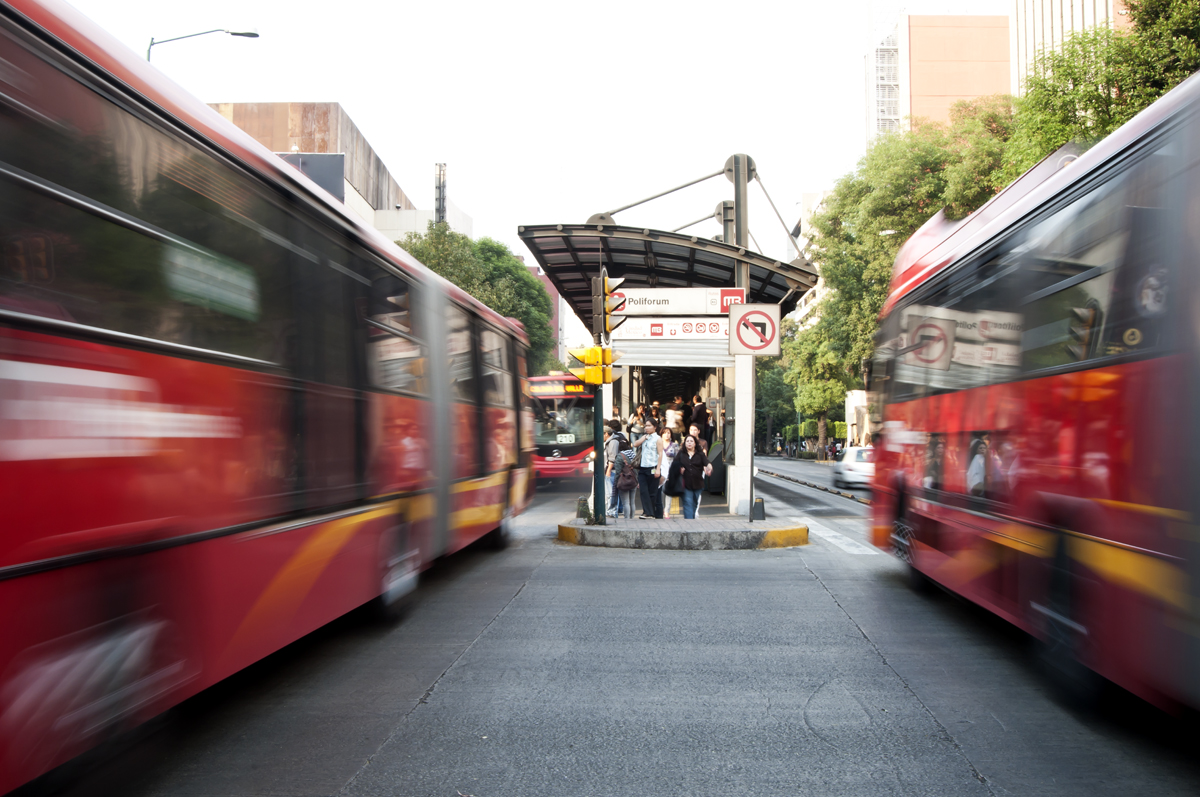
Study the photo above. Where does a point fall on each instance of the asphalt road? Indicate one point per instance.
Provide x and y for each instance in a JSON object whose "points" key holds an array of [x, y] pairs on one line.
{"points": [[549, 669]]}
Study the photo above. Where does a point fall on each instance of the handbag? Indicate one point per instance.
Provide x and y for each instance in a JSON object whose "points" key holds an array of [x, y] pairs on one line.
{"points": [[675, 483]]}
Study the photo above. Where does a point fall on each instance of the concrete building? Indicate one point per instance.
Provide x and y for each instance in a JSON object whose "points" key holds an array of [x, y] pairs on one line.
{"points": [[1039, 24], [295, 129], [927, 63]]}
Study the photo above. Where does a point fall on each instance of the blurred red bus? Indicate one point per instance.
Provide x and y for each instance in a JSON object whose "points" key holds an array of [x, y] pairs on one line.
{"points": [[564, 431], [229, 412], [1038, 370]]}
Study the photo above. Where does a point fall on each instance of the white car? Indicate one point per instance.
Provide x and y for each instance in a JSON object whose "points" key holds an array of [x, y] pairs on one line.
{"points": [[855, 468]]}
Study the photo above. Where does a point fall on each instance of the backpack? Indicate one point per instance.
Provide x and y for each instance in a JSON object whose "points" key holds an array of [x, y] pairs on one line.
{"points": [[627, 479], [623, 443]]}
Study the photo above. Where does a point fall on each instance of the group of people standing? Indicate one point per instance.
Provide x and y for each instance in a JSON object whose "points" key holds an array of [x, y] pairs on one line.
{"points": [[658, 458]]}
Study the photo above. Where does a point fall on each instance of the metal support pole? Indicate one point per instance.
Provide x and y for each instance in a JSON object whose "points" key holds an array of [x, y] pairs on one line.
{"points": [[599, 507], [740, 170], [725, 213], [753, 423]]}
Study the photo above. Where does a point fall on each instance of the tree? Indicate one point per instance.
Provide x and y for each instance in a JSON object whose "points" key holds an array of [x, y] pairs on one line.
{"points": [[1099, 79], [819, 377], [774, 397], [488, 270]]}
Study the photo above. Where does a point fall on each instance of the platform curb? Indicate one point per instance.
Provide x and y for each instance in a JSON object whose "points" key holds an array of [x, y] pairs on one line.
{"points": [[833, 490], [647, 539]]}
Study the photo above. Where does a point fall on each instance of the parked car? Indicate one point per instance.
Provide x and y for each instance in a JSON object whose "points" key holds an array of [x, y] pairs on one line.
{"points": [[855, 468]]}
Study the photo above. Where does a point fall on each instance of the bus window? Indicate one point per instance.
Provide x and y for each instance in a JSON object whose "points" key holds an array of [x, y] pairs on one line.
{"points": [[395, 356], [1096, 274], [966, 334], [497, 370], [458, 347], [161, 240], [464, 414]]}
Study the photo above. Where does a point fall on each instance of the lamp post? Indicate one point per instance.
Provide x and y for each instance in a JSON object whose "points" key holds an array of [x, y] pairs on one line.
{"points": [[248, 34]]}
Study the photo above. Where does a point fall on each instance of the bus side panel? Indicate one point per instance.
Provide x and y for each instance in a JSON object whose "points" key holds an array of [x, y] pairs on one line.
{"points": [[400, 440], [266, 590]]}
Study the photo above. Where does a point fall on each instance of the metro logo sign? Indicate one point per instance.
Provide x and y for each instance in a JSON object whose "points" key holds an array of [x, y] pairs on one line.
{"points": [[656, 330], [732, 296]]}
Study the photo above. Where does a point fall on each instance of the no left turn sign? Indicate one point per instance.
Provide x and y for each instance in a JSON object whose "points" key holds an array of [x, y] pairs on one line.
{"points": [[754, 329]]}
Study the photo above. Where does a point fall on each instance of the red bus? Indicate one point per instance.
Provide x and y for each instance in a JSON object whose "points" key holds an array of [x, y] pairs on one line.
{"points": [[564, 430], [1039, 370], [229, 412]]}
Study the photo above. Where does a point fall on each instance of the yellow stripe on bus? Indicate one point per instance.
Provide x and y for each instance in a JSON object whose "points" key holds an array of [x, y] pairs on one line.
{"points": [[476, 515], [282, 597]]}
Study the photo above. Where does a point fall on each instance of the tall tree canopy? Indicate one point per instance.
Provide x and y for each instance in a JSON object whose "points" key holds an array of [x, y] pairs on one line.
{"points": [[489, 271]]}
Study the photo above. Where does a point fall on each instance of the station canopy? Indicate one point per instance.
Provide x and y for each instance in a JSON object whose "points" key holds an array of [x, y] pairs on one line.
{"points": [[571, 254]]}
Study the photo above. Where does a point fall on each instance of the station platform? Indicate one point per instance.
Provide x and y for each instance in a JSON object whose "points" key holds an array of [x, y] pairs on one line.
{"points": [[706, 533]]}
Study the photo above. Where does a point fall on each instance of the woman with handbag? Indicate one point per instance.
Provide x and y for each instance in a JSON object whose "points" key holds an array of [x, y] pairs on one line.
{"points": [[669, 449], [693, 466]]}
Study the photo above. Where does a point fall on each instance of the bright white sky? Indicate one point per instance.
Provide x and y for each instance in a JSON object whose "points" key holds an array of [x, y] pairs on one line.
{"points": [[548, 112]]}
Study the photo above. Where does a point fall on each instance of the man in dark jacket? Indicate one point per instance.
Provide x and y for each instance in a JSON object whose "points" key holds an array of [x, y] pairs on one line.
{"points": [[700, 418]]}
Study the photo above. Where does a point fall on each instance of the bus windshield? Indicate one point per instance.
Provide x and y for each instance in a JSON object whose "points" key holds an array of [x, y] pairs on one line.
{"points": [[563, 421]]}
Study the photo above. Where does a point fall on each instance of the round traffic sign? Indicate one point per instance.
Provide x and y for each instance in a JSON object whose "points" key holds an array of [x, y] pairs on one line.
{"points": [[933, 343], [749, 334]]}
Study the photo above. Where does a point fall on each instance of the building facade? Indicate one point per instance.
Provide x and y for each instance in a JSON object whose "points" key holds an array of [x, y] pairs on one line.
{"points": [[925, 64], [1036, 25], [294, 129]]}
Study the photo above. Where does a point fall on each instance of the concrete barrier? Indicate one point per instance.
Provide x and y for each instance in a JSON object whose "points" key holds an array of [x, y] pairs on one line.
{"points": [[737, 535]]}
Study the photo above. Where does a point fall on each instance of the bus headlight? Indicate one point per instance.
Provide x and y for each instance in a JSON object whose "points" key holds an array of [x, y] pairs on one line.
{"points": [[591, 457]]}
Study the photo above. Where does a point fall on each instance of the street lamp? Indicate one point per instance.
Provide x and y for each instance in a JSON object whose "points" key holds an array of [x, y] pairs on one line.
{"points": [[248, 34]]}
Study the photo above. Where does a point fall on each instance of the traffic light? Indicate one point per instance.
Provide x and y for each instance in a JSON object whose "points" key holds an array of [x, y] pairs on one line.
{"points": [[597, 364], [604, 304]]}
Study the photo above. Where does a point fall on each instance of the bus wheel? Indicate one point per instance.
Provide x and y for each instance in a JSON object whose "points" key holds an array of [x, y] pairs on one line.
{"points": [[1063, 635], [499, 538], [903, 535], [399, 567]]}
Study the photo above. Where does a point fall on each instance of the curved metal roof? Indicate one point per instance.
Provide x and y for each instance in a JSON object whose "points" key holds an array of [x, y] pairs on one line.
{"points": [[571, 254]]}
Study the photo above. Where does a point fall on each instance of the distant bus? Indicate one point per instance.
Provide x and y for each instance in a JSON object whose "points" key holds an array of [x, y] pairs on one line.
{"points": [[564, 429], [1039, 370]]}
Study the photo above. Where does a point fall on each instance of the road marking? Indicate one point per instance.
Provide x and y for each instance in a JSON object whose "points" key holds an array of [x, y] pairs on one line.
{"points": [[837, 538]]}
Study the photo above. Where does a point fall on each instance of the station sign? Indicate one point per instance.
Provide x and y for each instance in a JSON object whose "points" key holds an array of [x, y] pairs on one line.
{"points": [[678, 301], [692, 328]]}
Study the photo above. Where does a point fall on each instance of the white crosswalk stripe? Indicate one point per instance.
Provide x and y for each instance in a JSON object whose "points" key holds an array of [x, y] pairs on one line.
{"points": [[837, 538]]}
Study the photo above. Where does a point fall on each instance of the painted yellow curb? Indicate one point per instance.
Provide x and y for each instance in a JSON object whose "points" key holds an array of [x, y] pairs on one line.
{"points": [[569, 534], [785, 538]]}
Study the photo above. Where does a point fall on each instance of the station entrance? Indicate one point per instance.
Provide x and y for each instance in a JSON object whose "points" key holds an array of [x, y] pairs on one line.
{"points": [[674, 356]]}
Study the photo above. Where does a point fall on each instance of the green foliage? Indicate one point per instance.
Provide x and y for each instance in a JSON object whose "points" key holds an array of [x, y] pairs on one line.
{"points": [[1073, 93], [840, 430], [1099, 79], [791, 433], [489, 271], [810, 428], [774, 397]]}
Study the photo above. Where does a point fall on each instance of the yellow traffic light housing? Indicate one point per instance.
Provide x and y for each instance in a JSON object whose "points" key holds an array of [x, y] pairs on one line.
{"points": [[597, 364], [604, 304]]}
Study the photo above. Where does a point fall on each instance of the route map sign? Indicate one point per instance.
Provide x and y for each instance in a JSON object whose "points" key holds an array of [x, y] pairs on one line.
{"points": [[754, 329]]}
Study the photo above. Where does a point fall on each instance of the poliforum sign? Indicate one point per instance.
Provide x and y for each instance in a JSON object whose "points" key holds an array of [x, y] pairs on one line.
{"points": [[678, 301]]}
